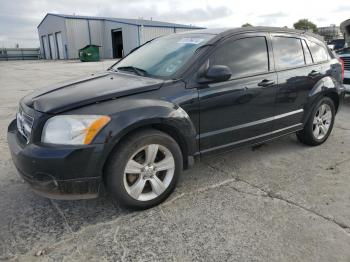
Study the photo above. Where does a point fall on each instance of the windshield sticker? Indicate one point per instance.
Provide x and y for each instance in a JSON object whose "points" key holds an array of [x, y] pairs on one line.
{"points": [[192, 41]]}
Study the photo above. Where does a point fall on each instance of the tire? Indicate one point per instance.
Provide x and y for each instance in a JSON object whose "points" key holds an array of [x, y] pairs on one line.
{"points": [[143, 153], [315, 122]]}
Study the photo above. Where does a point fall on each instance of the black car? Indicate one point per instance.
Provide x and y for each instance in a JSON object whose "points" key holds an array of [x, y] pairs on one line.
{"points": [[135, 127]]}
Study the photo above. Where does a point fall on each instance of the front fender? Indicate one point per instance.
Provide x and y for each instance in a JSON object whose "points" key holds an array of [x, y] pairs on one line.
{"points": [[134, 114]]}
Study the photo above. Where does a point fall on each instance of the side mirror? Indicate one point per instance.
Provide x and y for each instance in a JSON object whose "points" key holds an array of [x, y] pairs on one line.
{"points": [[217, 73]]}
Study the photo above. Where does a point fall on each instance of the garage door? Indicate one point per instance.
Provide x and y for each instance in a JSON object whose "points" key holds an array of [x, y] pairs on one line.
{"points": [[59, 45], [46, 47], [52, 47]]}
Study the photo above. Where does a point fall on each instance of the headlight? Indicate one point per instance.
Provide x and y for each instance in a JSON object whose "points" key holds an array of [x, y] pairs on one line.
{"points": [[73, 129]]}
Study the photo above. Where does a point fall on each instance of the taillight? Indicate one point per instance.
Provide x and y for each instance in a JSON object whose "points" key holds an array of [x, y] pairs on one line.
{"points": [[342, 68]]}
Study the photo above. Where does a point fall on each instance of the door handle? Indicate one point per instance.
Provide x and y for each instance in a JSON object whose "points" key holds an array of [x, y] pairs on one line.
{"points": [[266, 83], [314, 73]]}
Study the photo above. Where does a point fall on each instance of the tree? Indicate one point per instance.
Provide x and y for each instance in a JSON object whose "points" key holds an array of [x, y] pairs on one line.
{"points": [[246, 25], [305, 24]]}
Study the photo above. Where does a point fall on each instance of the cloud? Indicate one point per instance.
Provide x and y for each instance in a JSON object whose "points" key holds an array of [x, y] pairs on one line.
{"points": [[322, 19], [271, 19], [19, 18], [173, 14], [273, 15], [342, 8], [18, 21]]}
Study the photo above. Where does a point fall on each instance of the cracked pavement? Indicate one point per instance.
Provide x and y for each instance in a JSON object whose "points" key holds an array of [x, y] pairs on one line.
{"points": [[281, 201]]}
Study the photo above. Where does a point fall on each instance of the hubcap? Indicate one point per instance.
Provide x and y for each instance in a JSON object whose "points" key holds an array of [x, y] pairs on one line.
{"points": [[149, 172], [322, 121]]}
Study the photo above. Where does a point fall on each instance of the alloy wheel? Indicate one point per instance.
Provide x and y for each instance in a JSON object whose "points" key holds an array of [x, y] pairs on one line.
{"points": [[149, 172], [322, 121]]}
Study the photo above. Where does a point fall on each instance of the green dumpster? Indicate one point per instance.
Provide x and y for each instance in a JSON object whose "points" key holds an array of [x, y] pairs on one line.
{"points": [[89, 53]]}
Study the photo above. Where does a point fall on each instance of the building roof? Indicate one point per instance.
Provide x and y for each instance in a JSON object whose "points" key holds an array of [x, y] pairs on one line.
{"points": [[137, 22]]}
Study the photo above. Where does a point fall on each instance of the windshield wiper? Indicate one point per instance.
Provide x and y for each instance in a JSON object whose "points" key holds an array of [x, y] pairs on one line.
{"points": [[136, 70]]}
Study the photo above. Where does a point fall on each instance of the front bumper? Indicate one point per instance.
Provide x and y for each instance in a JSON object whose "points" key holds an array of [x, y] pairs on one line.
{"points": [[59, 172]]}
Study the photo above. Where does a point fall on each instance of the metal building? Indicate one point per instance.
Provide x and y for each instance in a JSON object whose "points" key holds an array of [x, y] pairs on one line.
{"points": [[61, 36], [330, 33]]}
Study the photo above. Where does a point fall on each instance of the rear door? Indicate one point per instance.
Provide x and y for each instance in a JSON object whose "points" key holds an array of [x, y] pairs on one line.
{"points": [[240, 110], [297, 75]]}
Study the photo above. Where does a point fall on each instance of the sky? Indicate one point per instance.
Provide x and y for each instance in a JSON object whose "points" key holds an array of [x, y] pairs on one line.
{"points": [[19, 18]]}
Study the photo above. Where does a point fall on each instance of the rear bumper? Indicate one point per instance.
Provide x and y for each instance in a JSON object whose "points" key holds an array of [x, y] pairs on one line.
{"points": [[57, 172]]}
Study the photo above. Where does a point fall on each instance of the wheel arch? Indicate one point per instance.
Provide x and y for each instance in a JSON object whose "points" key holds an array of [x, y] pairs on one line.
{"points": [[325, 87], [180, 129], [335, 98]]}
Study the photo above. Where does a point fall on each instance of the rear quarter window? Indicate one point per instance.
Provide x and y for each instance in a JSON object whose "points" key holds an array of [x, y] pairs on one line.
{"points": [[288, 52], [319, 52]]}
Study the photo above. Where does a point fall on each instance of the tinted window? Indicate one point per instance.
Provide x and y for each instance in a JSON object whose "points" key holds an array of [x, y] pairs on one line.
{"points": [[307, 53], [319, 53], [244, 56], [164, 56], [288, 52]]}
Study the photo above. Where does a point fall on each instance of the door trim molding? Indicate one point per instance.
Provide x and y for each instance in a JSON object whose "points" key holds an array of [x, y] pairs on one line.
{"points": [[299, 125], [258, 122]]}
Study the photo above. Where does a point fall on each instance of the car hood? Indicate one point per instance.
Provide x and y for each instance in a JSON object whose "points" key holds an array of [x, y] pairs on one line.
{"points": [[95, 88]]}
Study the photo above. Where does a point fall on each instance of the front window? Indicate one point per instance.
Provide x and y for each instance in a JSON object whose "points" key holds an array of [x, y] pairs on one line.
{"points": [[164, 56], [246, 56]]}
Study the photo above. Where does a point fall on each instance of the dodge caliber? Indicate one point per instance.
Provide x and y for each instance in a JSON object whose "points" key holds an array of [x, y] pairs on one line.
{"points": [[136, 126]]}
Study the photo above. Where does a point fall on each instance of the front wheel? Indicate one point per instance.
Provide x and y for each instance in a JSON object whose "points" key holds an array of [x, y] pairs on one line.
{"points": [[320, 123], [144, 169]]}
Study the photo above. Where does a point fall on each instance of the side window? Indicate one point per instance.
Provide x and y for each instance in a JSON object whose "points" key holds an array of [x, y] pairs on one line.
{"points": [[319, 53], [288, 52], [244, 56], [308, 58]]}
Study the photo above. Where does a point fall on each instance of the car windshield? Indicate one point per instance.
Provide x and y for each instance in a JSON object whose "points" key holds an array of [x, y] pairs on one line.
{"points": [[164, 56]]}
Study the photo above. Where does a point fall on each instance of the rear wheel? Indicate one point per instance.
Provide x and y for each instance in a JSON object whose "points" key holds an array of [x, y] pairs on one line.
{"points": [[320, 123], [143, 171]]}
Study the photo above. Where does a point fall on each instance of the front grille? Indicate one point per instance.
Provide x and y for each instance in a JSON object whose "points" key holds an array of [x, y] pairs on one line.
{"points": [[346, 81], [346, 62], [24, 124]]}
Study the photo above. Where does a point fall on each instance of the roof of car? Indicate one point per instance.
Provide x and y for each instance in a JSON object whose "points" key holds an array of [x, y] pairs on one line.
{"points": [[228, 31]]}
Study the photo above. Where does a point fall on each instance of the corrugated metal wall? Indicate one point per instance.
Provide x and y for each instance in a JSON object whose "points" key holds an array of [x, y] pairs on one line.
{"points": [[179, 30], [130, 37], [52, 25], [77, 36], [149, 33], [97, 33]]}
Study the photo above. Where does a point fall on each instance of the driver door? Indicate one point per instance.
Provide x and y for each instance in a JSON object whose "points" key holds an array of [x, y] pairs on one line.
{"points": [[240, 110]]}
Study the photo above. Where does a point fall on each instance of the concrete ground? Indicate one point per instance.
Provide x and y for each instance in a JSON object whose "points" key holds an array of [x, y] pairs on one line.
{"points": [[282, 201]]}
